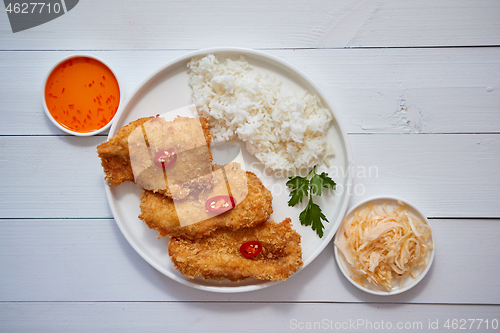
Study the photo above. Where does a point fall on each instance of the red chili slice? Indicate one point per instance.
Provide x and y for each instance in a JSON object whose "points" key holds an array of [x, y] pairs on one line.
{"points": [[251, 249], [165, 158], [220, 204]]}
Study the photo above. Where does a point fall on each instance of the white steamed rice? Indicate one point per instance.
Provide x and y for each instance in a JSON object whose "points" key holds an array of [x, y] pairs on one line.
{"points": [[282, 130]]}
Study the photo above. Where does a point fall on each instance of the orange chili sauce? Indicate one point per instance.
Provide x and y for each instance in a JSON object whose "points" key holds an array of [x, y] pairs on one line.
{"points": [[82, 94]]}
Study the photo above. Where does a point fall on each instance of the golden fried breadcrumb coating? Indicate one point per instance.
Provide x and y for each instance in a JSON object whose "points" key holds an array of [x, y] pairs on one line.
{"points": [[128, 156], [253, 207], [114, 154], [218, 256]]}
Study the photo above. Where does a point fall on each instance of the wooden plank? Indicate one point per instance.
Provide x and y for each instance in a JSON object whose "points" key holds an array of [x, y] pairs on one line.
{"points": [[409, 90], [97, 25], [52, 177], [231, 317], [442, 174], [89, 260], [23, 83], [405, 23], [372, 91], [59, 273]]}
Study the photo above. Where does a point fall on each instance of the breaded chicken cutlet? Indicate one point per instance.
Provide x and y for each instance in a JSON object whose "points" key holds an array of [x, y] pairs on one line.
{"points": [[130, 155], [219, 257], [253, 206], [114, 155]]}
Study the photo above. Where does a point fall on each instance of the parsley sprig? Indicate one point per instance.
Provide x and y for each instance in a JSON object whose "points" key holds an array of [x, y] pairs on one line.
{"points": [[302, 187]]}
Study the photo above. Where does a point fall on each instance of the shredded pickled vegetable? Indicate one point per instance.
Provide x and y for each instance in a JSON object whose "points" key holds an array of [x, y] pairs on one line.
{"points": [[384, 246]]}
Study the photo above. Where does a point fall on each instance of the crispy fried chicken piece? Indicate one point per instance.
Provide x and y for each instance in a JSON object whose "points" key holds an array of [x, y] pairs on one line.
{"points": [[218, 256], [253, 207], [114, 154], [129, 155]]}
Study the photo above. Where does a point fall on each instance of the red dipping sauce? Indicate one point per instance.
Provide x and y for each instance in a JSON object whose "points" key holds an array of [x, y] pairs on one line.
{"points": [[82, 94]]}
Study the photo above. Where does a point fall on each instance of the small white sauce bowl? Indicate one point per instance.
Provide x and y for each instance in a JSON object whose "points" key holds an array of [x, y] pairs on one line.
{"points": [[368, 287], [57, 124]]}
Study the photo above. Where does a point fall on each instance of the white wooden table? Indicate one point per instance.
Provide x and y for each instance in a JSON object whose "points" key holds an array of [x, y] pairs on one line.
{"points": [[417, 86]]}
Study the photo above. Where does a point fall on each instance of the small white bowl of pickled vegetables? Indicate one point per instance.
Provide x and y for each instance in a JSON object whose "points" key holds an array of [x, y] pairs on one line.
{"points": [[384, 246]]}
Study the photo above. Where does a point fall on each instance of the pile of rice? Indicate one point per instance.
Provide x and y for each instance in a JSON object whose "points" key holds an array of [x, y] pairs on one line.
{"points": [[282, 130]]}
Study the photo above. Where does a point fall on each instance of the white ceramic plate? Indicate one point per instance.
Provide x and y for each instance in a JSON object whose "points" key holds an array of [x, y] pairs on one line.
{"points": [[167, 89], [409, 282]]}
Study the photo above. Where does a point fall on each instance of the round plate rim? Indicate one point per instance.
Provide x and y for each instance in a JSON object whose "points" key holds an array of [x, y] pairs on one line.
{"points": [[343, 134]]}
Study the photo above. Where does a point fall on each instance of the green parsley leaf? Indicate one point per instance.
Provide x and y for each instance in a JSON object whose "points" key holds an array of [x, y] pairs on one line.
{"points": [[316, 185], [313, 215], [328, 183], [294, 182], [301, 186], [301, 189]]}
